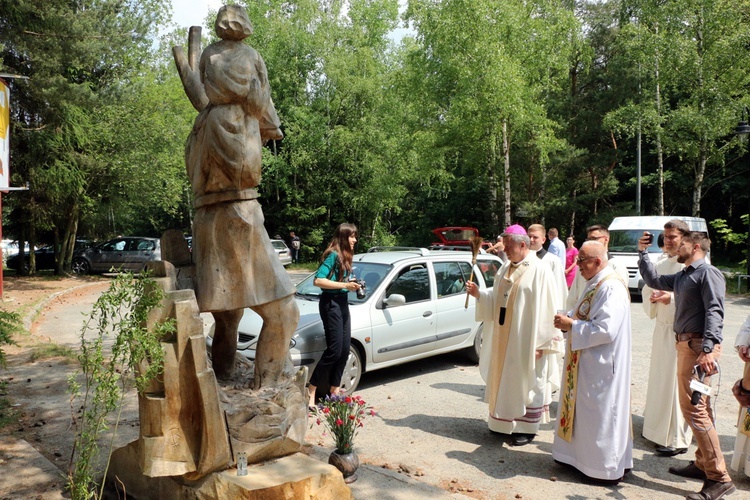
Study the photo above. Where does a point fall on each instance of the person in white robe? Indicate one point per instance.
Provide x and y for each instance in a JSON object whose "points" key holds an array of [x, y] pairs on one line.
{"points": [[601, 234], [741, 390], [513, 360], [537, 239], [593, 425], [663, 422]]}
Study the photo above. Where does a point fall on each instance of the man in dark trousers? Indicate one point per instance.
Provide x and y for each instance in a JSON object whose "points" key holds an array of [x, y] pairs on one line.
{"points": [[294, 245], [699, 315]]}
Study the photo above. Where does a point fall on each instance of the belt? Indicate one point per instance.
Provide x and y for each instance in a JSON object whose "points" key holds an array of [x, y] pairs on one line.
{"points": [[680, 337]]}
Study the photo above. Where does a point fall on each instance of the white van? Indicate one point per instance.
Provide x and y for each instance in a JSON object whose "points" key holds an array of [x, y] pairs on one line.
{"points": [[624, 233]]}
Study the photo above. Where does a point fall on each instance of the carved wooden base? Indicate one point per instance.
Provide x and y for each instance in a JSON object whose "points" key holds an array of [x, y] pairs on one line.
{"points": [[295, 476]]}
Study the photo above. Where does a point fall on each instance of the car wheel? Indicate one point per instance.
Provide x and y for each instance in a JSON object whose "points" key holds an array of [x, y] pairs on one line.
{"points": [[352, 371], [80, 266], [474, 351]]}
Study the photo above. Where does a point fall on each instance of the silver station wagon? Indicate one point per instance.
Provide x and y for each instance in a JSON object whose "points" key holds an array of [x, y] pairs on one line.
{"points": [[413, 308]]}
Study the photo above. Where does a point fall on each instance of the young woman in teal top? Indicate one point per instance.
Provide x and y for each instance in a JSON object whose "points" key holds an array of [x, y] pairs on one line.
{"points": [[333, 278]]}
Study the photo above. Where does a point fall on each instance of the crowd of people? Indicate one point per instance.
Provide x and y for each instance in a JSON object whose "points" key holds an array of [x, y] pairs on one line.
{"points": [[570, 307], [560, 324]]}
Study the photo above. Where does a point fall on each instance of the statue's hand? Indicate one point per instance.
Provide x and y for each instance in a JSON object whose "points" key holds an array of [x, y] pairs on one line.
{"points": [[188, 69]]}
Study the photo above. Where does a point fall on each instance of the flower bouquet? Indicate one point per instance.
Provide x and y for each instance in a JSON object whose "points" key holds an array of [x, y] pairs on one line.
{"points": [[344, 416]]}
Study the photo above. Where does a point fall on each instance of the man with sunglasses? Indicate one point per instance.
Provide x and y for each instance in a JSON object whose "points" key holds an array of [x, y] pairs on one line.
{"points": [[593, 418], [598, 233]]}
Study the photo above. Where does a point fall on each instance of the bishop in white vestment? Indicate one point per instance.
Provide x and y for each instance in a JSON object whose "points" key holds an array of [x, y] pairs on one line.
{"points": [[593, 424], [513, 361]]}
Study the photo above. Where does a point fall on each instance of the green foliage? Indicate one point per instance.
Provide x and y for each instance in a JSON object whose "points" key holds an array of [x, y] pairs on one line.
{"points": [[397, 138], [732, 245], [10, 323], [115, 343]]}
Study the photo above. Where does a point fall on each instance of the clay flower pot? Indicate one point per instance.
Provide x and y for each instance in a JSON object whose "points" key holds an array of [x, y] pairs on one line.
{"points": [[347, 463]]}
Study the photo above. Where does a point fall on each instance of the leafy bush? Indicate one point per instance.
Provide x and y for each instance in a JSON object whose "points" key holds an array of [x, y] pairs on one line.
{"points": [[121, 311]]}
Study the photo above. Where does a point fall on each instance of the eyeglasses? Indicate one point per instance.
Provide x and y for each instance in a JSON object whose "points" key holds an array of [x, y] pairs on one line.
{"points": [[581, 259]]}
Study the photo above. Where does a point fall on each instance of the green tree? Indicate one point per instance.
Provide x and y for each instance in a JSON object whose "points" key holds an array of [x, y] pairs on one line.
{"points": [[78, 57]]}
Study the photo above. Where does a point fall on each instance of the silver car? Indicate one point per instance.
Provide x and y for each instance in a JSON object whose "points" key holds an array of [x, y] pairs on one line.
{"points": [[413, 308], [285, 255], [121, 254]]}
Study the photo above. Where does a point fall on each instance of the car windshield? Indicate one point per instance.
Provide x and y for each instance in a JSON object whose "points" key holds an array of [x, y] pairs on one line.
{"points": [[626, 240], [371, 273], [278, 244]]}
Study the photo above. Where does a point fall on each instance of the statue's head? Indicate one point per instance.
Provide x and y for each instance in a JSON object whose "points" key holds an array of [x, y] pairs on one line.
{"points": [[232, 23]]}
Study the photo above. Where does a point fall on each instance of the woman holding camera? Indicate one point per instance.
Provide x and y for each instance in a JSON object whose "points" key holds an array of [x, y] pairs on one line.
{"points": [[333, 277]]}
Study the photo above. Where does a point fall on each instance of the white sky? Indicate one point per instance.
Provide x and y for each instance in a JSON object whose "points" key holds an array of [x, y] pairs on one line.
{"points": [[186, 13]]}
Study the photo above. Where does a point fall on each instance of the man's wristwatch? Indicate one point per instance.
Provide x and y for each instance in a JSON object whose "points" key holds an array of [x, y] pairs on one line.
{"points": [[708, 350]]}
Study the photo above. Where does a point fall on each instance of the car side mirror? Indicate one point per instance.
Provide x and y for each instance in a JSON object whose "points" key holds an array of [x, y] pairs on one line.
{"points": [[394, 300]]}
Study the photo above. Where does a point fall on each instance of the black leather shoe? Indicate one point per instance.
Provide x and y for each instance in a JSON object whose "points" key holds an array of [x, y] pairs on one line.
{"points": [[521, 439], [713, 490], [669, 451], [690, 470]]}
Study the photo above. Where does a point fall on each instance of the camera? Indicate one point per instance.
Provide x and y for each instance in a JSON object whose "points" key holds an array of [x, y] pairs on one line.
{"points": [[362, 290], [698, 387], [650, 238]]}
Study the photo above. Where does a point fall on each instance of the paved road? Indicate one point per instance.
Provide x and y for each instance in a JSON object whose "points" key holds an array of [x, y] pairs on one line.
{"points": [[431, 426], [432, 420]]}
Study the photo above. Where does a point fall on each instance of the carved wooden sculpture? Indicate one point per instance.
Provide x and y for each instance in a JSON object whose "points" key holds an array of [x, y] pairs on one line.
{"points": [[236, 266]]}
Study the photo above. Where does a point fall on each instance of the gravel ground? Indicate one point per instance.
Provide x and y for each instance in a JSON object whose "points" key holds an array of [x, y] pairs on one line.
{"points": [[430, 429]]}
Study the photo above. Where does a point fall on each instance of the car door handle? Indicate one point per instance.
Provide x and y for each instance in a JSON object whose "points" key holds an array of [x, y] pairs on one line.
{"points": [[427, 314]]}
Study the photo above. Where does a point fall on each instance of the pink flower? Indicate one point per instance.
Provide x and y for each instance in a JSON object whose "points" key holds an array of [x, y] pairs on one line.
{"points": [[317, 421], [347, 400], [352, 417], [372, 413], [326, 410], [339, 421]]}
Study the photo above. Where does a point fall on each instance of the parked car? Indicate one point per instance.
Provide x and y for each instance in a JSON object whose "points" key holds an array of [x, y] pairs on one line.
{"points": [[624, 233], [285, 255], [121, 254], [44, 256], [413, 308]]}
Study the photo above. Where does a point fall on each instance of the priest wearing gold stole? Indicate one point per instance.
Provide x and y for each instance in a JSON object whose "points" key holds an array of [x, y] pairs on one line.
{"points": [[593, 423], [518, 339]]}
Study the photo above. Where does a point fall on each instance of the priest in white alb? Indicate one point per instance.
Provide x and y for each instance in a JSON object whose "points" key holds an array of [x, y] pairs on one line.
{"points": [[593, 423], [517, 315]]}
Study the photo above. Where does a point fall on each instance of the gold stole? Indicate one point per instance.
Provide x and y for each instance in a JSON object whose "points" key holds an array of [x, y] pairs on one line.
{"points": [[745, 412], [508, 290], [570, 378]]}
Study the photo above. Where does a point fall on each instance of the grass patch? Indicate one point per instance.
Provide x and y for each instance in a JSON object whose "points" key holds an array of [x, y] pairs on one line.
{"points": [[8, 415], [304, 266], [46, 351]]}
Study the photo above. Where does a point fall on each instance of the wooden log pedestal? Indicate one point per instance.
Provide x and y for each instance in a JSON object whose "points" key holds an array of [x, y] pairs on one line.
{"points": [[193, 428], [294, 476]]}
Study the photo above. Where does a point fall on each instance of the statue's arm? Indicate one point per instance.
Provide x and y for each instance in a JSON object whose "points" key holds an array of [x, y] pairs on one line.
{"points": [[189, 71]]}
